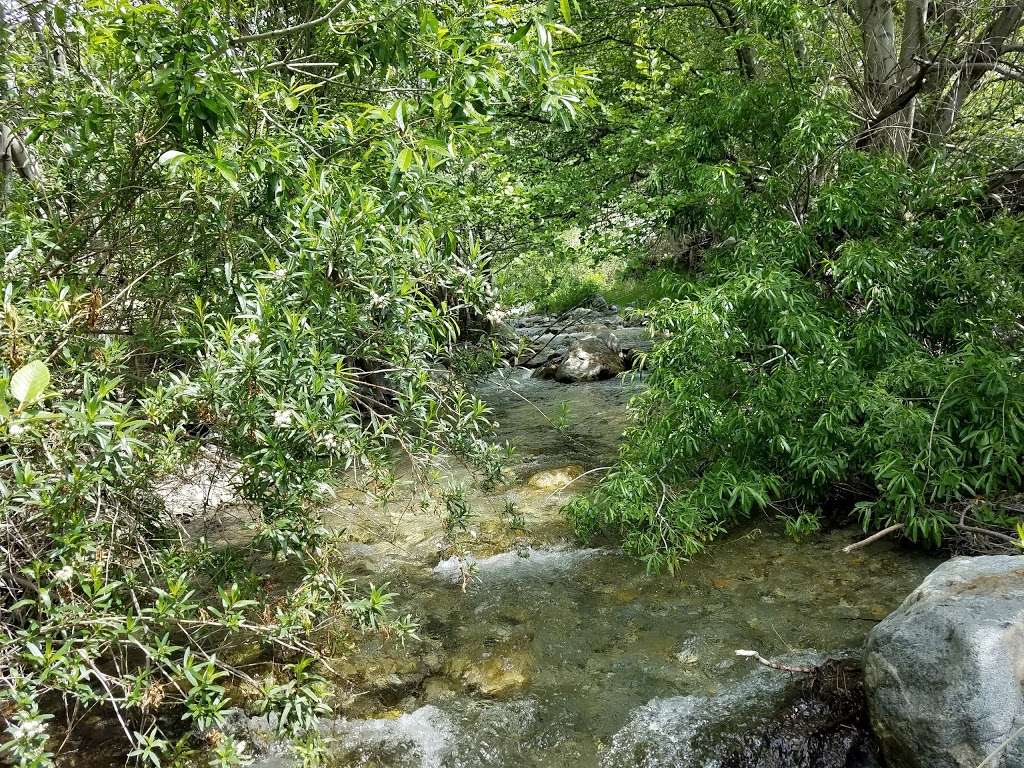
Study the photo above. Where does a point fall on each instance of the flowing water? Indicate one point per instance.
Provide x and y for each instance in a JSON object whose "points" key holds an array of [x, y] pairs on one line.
{"points": [[553, 656]]}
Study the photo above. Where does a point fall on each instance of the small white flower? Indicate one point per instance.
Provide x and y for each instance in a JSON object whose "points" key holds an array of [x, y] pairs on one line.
{"points": [[284, 417], [64, 574], [280, 273], [330, 441], [252, 338], [17, 429]]}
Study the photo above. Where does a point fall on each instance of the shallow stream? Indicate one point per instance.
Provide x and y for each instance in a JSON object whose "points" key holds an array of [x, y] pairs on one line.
{"points": [[557, 656]]}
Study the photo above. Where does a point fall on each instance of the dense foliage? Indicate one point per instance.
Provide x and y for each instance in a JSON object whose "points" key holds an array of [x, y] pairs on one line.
{"points": [[268, 236], [232, 234], [843, 261]]}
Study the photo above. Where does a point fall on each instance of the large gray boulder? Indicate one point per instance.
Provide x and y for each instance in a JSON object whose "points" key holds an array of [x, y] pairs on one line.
{"points": [[589, 359], [944, 671]]}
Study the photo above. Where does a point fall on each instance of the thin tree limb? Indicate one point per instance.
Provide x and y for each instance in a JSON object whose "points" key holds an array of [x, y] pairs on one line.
{"points": [[874, 537], [774, 664], [281, 31]]}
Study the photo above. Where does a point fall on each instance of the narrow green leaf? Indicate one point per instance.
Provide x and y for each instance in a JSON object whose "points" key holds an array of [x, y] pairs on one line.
{"points": [[227, 172]]}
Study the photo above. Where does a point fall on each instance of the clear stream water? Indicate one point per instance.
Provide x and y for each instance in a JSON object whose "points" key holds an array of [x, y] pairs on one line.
{"points": [[557, 656]]}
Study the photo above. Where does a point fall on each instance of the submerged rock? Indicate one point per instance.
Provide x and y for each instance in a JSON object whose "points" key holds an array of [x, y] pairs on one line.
{"points": [[769, 719], [589, 359], [498, 674], [944, 671], [554, 479]]}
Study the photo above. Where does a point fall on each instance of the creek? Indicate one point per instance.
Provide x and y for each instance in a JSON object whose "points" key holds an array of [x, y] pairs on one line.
{"points": [[551, 655]]}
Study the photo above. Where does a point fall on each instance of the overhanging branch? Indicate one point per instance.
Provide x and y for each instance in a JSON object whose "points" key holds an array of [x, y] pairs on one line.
{"points": [[289, 30]]}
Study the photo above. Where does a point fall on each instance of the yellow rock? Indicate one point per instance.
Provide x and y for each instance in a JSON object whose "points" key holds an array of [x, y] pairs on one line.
{"points": [[554, 479], [498, 674]]}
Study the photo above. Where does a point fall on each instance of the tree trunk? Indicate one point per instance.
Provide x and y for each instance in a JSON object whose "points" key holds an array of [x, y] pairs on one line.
{"points": [[746, 57], [878, 30], [980, 58], [16, 156], [913, 47]]}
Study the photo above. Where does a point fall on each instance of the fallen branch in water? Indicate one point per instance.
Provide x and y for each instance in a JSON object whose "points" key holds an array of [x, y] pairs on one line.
{"points": [[874, 537], [987, 532], [774, 664]]}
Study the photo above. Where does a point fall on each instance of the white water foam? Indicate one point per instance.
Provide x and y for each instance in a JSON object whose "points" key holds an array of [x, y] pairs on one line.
{"points": [[664, 732], [423, 738], [515, 563]]}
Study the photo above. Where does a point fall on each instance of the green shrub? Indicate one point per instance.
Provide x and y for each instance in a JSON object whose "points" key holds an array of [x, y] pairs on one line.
{"points": [[886, 367], [844, 321], [218, 249]]}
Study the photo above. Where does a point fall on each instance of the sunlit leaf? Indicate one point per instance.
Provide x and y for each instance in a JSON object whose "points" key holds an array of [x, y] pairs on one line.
{"points": [[173, 157], [30, 381]]}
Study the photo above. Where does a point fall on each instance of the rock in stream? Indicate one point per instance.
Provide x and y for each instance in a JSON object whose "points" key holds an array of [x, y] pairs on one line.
{"points": [[945, 670], [589, 359], [770, 719], [583, 345]]}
